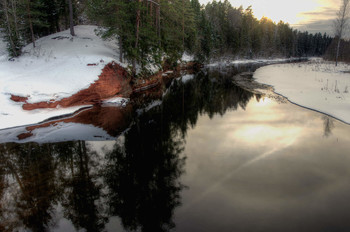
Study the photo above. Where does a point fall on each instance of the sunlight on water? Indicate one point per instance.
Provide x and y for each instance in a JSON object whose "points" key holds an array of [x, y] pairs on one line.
{"points": [[225, 160]]}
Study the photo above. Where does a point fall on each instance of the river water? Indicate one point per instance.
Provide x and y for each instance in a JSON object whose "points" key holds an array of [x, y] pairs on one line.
{"points": [[207, 155]]}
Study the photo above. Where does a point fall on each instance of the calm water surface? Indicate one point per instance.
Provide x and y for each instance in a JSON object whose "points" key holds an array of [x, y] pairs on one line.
{"points": [[209, 157]]}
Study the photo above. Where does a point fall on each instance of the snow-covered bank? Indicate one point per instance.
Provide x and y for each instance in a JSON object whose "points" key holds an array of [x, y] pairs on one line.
{"points": [[252, 61], [59, 66], [43, 73], [316, 85], [58, 133]]}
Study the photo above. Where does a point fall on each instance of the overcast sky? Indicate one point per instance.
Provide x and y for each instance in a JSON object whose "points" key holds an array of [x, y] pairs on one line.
{"points": [[305, 15]]}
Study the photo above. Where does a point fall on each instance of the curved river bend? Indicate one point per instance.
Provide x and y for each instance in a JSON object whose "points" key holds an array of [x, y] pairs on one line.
{"points": [[205, 156]]}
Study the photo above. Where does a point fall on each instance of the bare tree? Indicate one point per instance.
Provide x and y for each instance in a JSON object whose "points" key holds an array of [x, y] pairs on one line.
{"points": [[341, 24]]}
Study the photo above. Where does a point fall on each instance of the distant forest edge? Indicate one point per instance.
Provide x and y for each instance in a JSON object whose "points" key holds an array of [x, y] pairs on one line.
{"points": [[149, 30]]}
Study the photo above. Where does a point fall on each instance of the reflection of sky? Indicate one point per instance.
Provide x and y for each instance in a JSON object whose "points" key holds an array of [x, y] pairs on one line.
{"points": [[269, 168], [311, 15]]}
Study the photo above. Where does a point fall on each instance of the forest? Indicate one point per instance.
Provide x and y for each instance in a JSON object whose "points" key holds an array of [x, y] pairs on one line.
{"points": [[151, 31]]}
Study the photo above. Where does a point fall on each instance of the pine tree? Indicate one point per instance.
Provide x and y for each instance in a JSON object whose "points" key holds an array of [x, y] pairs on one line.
{"points": [[10, 25]]}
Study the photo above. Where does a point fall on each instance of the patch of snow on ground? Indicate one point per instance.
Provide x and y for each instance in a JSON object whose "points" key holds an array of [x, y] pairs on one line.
{"points": [[187, 57], [187, 77], [56, 68], [320, 86], [117, 101]]}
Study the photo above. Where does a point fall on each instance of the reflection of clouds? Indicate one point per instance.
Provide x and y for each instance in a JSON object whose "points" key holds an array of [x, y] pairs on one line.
{"points": [[270, 167], [267, 135]]}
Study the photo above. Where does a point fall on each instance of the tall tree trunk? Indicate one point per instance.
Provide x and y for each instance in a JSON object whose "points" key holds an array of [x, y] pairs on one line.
{"points": [[30, 22], [138, 19], [14, 8], [183, 25], [337, 52], [120, 50], [58, 29], [66, 13], [341, 24], [158, 23], [12, 44], [71, 22]]}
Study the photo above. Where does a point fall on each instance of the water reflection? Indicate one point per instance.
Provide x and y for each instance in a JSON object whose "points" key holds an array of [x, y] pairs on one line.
{"points": [[138, 180], [81, 192], [209, 156], [328, 123], [42, 182]]}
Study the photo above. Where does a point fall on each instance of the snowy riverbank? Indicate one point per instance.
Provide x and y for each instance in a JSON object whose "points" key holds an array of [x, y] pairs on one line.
{"points": [[317, 85], [59, 66], [227, 62]]}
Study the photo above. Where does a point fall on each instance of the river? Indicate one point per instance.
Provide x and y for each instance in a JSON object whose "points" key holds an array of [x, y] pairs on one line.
{"points": [[207, 155]]}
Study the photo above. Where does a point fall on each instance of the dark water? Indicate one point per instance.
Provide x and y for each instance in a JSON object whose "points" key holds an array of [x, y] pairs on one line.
{"points": [[209, 157]]}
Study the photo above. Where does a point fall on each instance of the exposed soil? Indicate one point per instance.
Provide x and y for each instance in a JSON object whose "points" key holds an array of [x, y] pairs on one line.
{"points": [[113, 81], [113, 120]]}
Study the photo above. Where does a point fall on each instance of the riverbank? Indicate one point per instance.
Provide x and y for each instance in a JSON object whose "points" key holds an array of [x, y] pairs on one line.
{"points": [[317, 85], [229, 62], [64, 73]]}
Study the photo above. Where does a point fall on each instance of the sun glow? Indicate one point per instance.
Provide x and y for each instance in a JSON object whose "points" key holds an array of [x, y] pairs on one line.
{"points": [[287, 11], [292, 12]]}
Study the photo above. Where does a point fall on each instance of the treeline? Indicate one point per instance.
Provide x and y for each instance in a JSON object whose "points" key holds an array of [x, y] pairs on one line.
{"points": [[24, 21], [150, 30], [238, 31], [343, 52]]}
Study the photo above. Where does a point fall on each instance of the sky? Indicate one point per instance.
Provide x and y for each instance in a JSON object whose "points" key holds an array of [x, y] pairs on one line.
{"points": [[305, 15]]}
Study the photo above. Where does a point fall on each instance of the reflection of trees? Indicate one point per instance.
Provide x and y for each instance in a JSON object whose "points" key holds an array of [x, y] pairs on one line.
{"points": [[3, 185], [211, 94], [81, 193], [31, 167], [328, 125], [143, 175], [139, 179], [143, 171], [40, 177]]}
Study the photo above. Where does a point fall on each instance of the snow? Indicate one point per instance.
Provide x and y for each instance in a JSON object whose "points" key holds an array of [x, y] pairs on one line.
{"points": [[250, 61], [149, 106], [187, 57], [186, 78], [317, 85], [59, 132], [56, 68], [117, 101]]}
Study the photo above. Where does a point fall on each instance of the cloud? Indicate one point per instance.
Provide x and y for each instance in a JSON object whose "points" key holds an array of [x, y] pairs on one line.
{"points": [[315, 26], [324, 12]]}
